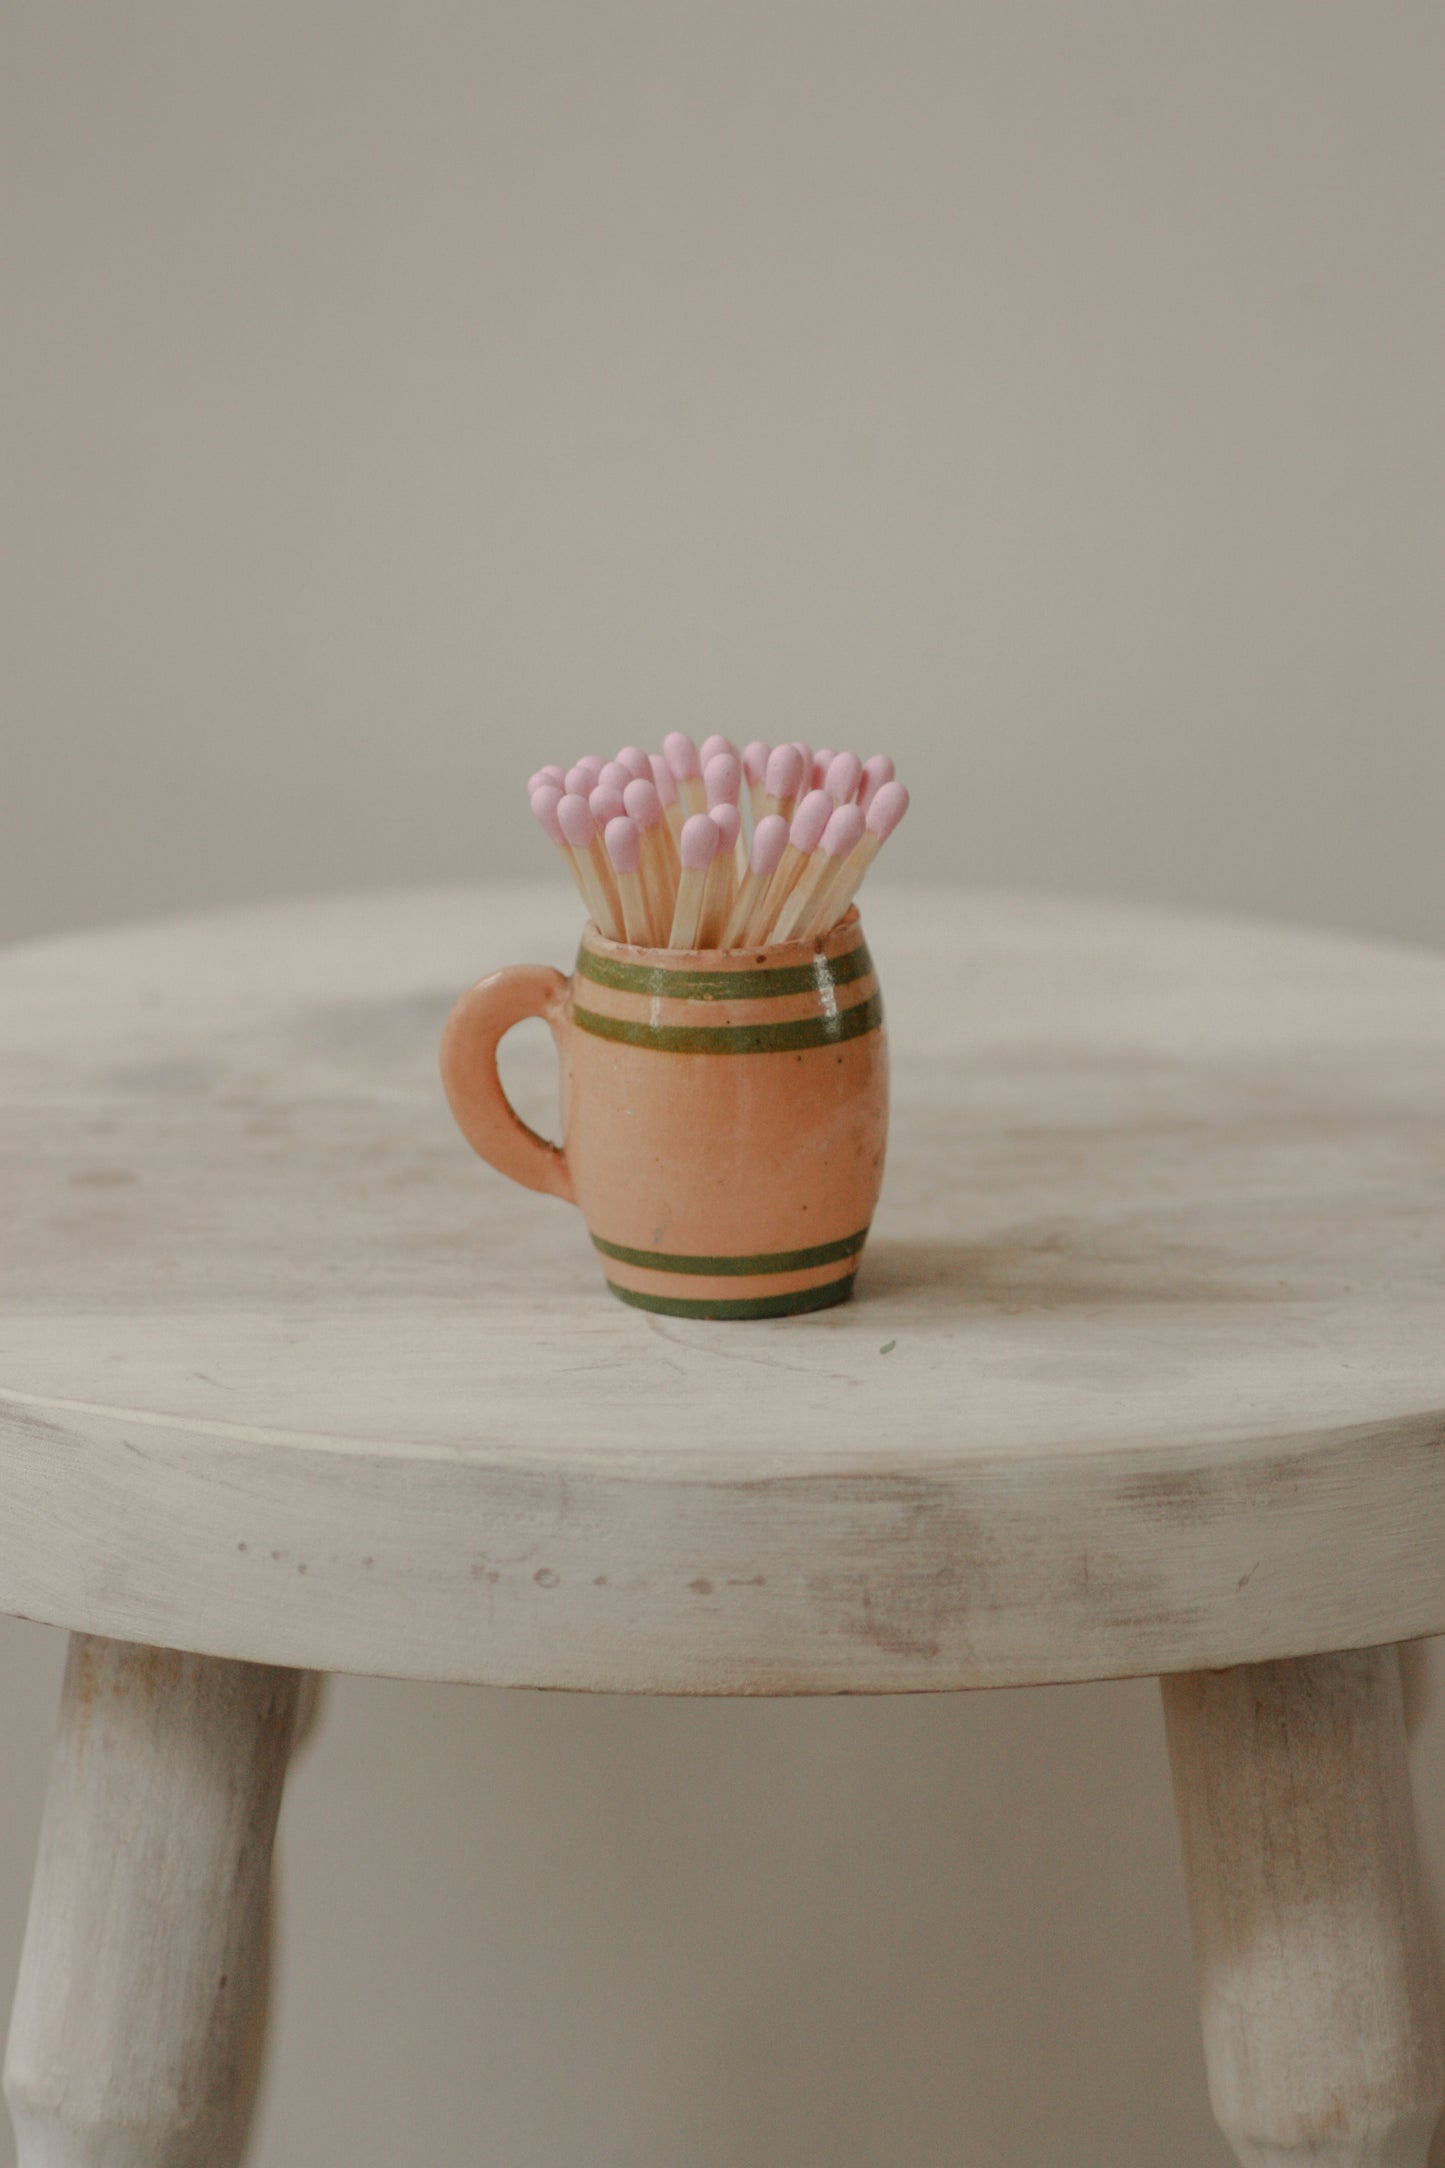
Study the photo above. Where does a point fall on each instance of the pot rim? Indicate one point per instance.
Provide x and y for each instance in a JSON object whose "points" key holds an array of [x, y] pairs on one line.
{"points": [[763, 956]]}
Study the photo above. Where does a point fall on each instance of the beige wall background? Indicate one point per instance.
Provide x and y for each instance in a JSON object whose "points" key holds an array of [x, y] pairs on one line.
{"points": [[396, 396]]}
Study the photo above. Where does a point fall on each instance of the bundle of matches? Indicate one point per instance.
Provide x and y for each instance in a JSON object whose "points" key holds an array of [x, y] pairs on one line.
{"points": [[715, 849]]}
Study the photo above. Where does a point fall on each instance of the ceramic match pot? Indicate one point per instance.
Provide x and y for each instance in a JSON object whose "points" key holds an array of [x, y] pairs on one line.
{"points": [[724, 1114]]}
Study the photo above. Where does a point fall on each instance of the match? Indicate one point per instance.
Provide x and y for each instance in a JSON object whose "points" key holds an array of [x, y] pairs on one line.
{"points": [[714, 849]]}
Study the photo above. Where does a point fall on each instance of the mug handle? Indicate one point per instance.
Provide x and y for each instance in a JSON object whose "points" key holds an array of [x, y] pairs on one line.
{"points": [[484, 1114]]}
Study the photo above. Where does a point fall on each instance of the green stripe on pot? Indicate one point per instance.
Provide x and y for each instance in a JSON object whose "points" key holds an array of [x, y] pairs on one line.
{"points": [[790, 1038], [806, 1298], [822, 1253], [660, 984]]}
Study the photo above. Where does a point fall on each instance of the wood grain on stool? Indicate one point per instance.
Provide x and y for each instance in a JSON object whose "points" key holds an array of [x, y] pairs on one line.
{"points": [[1317, 1975], [135, 2038]]}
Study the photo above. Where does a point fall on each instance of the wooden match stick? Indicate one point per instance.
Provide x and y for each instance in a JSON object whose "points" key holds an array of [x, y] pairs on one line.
{"points": [[839, 853], [715, 745], [605, 805], [636, 762], [721, 876], [822, 761], [594, 873], [877, 770], [616, 775], [845, 773], [755, 768], [697, 847], [843, 831], [722, 780], [659, 880], [550, 774], [664, 782], [681, 756], [804, 836], [624, 848], [545, 800], [784, 780], [581, 778], [890, 803], [770, 840]]}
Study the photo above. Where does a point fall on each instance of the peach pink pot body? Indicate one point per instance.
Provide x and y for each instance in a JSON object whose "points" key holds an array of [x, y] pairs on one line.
{"points": [[724, 1112]]}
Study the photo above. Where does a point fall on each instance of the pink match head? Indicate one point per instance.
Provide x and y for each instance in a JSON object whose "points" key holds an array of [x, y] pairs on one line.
{"points": [[664, 782], [783, 777], [575, 818], [713, 746], [624, 844], [545, 800], [845, 773], [680, 754], [770, 840], [550, 774], [755, 760], [606, 805], [581, 780], [722, 777], [635, 761], [812, 817], [822, 761], [699, 843], [844, 830], [728, 821], [890, 803], [877, 770], [642, 804], [614, 776]]}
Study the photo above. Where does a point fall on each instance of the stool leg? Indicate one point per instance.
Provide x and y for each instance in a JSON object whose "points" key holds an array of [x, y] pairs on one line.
{"points": [[136, 2033], [1317, 1974]]}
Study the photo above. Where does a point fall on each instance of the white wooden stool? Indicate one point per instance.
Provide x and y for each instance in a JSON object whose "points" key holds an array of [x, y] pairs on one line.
{"points": [[1145, 1374]]}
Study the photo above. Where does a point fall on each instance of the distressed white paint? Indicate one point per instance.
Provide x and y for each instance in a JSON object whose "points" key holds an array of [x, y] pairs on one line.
{"points": [[1319, 1985], [1146, 1369], [136, 2035]]}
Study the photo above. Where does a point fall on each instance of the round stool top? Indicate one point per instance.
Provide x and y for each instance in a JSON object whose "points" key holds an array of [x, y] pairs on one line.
{"points": [[1145, 1370]]}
